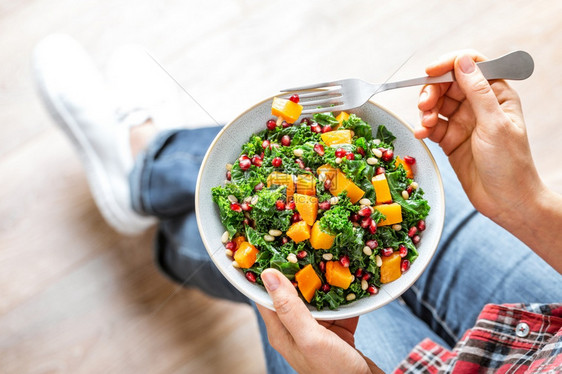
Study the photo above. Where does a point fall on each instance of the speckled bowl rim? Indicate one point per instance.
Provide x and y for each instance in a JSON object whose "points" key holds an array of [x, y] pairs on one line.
{"points": [[323, 314]]}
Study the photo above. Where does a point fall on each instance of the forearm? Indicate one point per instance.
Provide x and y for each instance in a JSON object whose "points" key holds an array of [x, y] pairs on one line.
{"points": [[539, 225]]}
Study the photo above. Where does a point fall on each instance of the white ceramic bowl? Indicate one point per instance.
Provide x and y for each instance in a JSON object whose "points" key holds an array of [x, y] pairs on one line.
{"points": [[226, 148]]}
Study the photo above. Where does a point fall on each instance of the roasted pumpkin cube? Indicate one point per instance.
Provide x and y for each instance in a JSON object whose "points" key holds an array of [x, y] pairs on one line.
{"points": [[407, 167], [337, 137], [320, 239], [307, 206], [306, 184], [286, 109], [392, 212], [338, 275], [299, 231], [308, 282], [390, 268], [282, 179], [246, 255], [341, 183], [382, 190]]}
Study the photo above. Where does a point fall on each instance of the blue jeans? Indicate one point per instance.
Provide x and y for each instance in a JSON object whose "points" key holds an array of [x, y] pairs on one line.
{"points": [[477, 262]]}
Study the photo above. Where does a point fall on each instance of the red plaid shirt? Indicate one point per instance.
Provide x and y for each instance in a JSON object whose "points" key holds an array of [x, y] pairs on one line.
{"points": [[509, 338]]}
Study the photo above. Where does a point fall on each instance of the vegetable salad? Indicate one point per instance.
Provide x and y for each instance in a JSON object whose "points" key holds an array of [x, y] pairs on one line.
{"points": [[325, 202]]}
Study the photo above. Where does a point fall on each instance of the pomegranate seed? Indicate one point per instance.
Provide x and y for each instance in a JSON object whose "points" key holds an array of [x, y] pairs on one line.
{"points": [[245, 163], [296, 217], [280, 205], [300, 163], [274, 145], [236, 207], [295, 98], [271, 124], [364, 212], [372, 290], [315, 127], [246, 207], [354, 217], [373, 227], [285, 124], [344, 261], [228, 175], [409, 160], [276, 162], [286, 140], [359, 273], [372, 243], [404, 265], [416, 239], [366, 276], [284, 240], [327, 184], [322, 266], [265, 144], [387, 155], [325, 287], [379, 170], [387, 251], [230, 245], [340, 152], [319, 148], [366, 222], [256, 160], [243, 157], [326, 128], [412, 231], [421, 225], [302, 254], [251, 276], [291, 205], [350, 156], [258, 187], [402, 250], [305, 121], [324, 205], [361, 151], [409, 190]]}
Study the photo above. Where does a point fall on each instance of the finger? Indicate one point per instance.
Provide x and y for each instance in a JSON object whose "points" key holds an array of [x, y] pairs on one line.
{"points": [[278, 336], [478, 92], [429, 118], [446, 62], [430, 94], [438, 132], [291, 311], [449, 106]]}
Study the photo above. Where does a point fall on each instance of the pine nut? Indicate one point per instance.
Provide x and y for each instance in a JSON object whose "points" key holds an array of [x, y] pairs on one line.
{"points": [[405, 195], [397, 227], [254, 200], [377, 152], [268, 238], [235, 264], [338, 160], [367, 251], [292, 258], [352, 278], [228, 252], [364, 285], [298, 152], [228, 167], [350, 297], [274, 232], [372, 161], [365, 202], [224, 238], [378, 260], [232, 198], [376, 141], [414, 185], [352, 133], [321, 177], [327, 256], [334, 200]]}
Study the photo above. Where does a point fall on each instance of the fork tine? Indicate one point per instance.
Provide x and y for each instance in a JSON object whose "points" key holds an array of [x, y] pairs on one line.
{"points": [[325, 109], [313, 86], [315, 93], [326, 101]]}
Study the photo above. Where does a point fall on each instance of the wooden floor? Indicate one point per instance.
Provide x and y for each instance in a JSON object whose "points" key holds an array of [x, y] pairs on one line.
{"points": [[75, 297]]}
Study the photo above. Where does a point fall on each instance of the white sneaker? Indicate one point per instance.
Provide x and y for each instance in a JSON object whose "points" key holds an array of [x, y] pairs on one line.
{"points": [[75, 95]]}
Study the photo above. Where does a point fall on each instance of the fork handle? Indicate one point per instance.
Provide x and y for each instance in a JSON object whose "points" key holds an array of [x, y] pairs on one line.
{"points": [[516, 65]]}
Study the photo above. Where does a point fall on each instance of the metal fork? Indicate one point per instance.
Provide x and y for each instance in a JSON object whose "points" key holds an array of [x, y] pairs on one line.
{"points": [[351, 93]]}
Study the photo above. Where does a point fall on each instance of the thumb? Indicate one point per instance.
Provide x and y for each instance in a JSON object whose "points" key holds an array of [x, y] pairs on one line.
{"points": [[291, 310], [478, 91]]}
